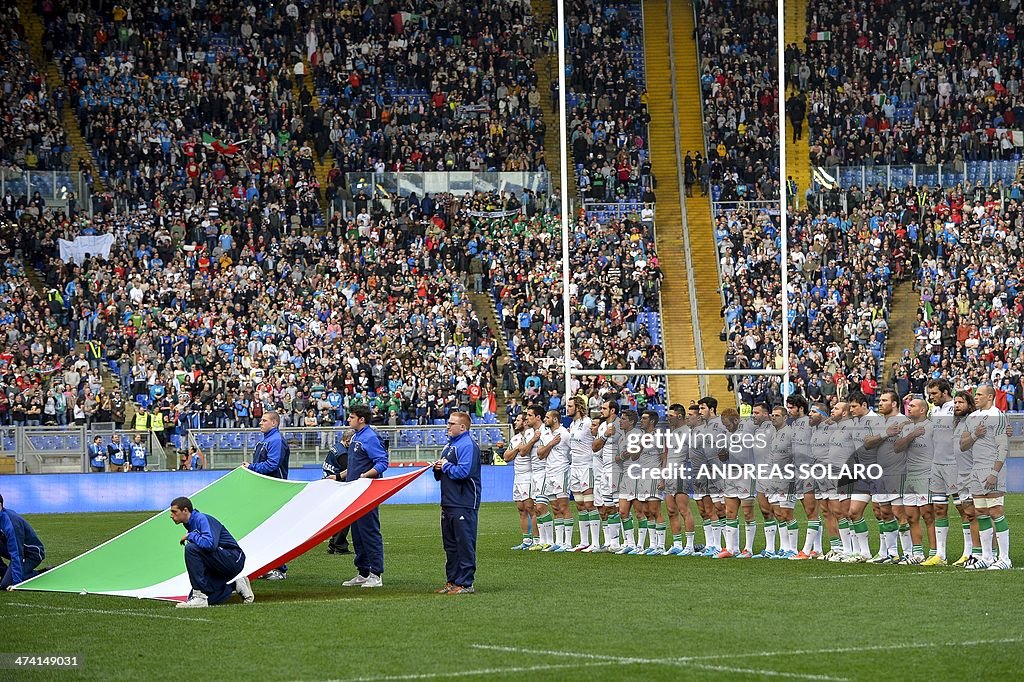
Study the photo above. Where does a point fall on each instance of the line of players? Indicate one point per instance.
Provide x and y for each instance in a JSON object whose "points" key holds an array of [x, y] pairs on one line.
{"points": [[954, 450]]}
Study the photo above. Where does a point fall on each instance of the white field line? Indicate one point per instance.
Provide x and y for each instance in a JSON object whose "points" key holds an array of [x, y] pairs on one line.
{"points": [[757, 654], [482, 672], [110, 612], [681, 661]]}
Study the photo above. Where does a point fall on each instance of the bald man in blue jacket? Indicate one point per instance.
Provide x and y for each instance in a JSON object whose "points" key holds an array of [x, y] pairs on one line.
{"points": [[270, 458], [458, 470]]}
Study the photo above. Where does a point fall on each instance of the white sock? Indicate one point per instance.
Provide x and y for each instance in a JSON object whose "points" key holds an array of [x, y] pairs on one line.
{"points": [[784, 544], [689, 539], [718, 532], [560, 533], [708, 533], [642, 536], [1003, 538], [733, 538], [748, 538], [817, 539], [810, 540], [794, 538], [567, 530], [863, 545], [906, 542], [595, 528], [584, 528], [940, 541], [986, 544], [844, 536], [659, 539], [611, 534], [769, 537], [891, 543], [968, 541]]}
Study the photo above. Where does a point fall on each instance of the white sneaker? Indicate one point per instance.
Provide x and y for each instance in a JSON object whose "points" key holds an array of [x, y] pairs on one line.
{"points": [[275, 575], [354, 582], [1001, 565], [244, 588], [198, 600], [373, 580]]}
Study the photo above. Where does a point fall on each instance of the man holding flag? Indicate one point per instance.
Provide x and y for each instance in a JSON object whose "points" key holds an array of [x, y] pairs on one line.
{"points": [[367, 458]]}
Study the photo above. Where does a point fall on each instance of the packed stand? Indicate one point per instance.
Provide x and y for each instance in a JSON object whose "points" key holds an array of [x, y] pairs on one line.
{"points": [[31, 134], [739, 84], [890, 83], [36, 348], [971, 316], [217, 329], [608, 117], [615, 281], [429, 87], [841, 271], [178, 116]]}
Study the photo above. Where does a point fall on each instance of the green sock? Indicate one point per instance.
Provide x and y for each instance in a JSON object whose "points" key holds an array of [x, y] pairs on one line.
{"points": [[677, 539], [1000, 524], [984, 523], [835, 544], [860, 526], [932, 552], [944, 523], [918, 549]]}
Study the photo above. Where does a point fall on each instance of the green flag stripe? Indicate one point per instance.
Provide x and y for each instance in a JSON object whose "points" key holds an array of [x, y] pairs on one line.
{"points": [[240, 500]]}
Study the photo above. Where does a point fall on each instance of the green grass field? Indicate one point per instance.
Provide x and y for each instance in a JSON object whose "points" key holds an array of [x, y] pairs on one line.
{"points": [[553, 616]]}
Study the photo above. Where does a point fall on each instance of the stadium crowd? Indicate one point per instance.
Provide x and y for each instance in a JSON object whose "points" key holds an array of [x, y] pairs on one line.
{"points": [[608, 117], [31, 134], [885, 84], [971, 315], [151, 85], [842, 268], [615, 280], [739, 83], [278, 320]]}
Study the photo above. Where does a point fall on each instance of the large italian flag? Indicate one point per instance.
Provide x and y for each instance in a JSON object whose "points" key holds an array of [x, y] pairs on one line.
{"points": [[273, 520]]}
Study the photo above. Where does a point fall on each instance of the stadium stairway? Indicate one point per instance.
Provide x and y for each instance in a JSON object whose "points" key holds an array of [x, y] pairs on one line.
{"points": [[483, 304], [677, 316], [902, 321], [547, 70], [81, 153], [798, 154], [326, 162]]}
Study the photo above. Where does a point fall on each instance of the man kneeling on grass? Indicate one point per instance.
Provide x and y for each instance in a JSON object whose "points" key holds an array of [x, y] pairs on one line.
{"points": [[212, 558]]}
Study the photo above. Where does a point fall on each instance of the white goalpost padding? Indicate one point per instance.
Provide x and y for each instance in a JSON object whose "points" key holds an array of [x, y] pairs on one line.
{"points": [[568, 369]]}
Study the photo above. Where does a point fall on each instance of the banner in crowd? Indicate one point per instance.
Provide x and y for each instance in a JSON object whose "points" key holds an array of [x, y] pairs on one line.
{"points": [[91, 245], [274, 521]]}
